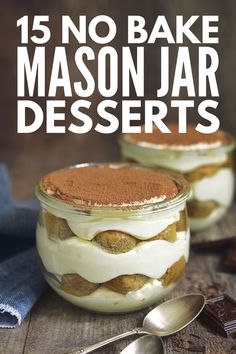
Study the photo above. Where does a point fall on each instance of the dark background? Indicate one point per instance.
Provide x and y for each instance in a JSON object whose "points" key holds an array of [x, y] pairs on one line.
{"points": [[29, 156]]}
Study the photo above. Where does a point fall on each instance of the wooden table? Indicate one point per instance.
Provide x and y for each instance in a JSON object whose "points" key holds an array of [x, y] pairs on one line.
{"points": [[55, 326]]}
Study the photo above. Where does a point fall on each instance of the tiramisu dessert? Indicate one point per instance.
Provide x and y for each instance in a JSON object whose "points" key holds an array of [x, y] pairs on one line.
{"points": [[112, 237], [205, 160]]}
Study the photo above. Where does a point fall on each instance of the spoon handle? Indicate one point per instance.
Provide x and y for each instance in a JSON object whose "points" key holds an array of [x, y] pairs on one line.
{"points": [[95, 346]]}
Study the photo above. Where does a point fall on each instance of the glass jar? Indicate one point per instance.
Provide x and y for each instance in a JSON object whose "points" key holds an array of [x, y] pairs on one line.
{"points": [[209, 171], [114, 259]]}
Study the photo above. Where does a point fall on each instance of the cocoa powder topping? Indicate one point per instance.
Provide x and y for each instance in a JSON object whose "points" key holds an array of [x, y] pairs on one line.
{"points": [[108, 185], [191, 137]]}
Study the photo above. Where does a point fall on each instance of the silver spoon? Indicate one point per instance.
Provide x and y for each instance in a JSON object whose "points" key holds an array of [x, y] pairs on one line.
{"points": [[150, 344], [167, 318]]}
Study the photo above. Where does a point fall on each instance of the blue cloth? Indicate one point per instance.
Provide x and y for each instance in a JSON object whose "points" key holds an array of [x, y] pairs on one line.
{"points": [[21, 280]]}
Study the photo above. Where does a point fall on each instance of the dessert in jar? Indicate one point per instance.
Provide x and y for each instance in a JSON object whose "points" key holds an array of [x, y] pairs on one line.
{"points": [[205, 160], [112, 237]]}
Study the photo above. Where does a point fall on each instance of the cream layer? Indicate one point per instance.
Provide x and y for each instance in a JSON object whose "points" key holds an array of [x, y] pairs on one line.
{"points": [[93, 263], [142, 226], [105, 300], [219, 187], [197, 224], [184, 159]]}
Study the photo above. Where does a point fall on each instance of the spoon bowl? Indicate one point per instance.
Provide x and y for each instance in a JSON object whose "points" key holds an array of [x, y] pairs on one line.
{"points": [[173, 315], [150, 344]]}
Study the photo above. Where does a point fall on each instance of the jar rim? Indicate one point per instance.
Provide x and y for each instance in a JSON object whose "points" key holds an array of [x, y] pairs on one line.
{"points": [[123, 139], [144, 208]]}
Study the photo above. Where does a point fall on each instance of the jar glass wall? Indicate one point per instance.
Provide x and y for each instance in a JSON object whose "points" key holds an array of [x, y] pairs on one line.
{"points": [[114, 259], [209, 171]]}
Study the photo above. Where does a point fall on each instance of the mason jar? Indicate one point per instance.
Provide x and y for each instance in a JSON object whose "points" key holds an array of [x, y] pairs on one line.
{"points": [[209, 171], [113, 259]]}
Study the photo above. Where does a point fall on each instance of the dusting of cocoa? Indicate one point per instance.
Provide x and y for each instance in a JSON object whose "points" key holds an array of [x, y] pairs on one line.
{"points": [[108, 185], [191, 137]]}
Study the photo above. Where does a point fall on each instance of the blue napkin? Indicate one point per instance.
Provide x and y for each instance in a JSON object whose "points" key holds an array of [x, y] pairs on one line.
{"points": [[21, 280]]}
